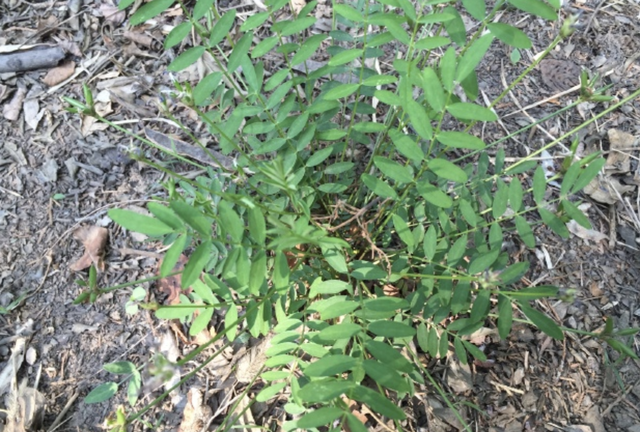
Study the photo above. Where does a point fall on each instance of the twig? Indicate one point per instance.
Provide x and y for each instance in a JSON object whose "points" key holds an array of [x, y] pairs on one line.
{"points": [[515, 100], [550, 98], [129, 251], [60, 416], [16, 194], [615, 402], [593, 15], [357, 215]]}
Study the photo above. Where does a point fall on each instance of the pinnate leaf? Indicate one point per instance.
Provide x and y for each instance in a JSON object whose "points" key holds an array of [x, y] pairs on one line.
{"points": [[510, 35]]}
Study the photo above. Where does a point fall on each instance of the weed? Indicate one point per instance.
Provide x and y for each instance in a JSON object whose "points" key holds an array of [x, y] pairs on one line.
{"points": [[353, 214]]}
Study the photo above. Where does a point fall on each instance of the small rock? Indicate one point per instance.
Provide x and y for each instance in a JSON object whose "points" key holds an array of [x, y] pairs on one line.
{"points": [[31, 356]]}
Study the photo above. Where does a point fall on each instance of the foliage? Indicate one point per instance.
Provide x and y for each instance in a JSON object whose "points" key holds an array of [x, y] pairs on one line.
{"points": [[362, 212]]}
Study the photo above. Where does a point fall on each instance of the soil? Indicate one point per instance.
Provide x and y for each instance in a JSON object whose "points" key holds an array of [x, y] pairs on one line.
{"points": [[59, 172]]}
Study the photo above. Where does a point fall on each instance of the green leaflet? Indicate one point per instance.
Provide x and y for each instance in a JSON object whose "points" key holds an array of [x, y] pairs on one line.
{"points": [[393, 170], [222, 27], [319, 417], [330, 365], [469, 111], [473, 56], [149, 10], [536, 7], [543, 322], [433, 89], [445, 169], [348, 12], [510, 35], [177, 35], [460, 140], [378, 187], [137, 222], [101, 393], [476, 8]]}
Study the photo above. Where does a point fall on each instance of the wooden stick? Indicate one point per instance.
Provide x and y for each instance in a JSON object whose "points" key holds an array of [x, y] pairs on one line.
{"points": [[35, 58]]}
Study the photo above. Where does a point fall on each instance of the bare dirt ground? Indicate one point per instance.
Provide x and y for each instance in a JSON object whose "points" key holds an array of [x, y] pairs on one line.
{"points": [[59, 172]]}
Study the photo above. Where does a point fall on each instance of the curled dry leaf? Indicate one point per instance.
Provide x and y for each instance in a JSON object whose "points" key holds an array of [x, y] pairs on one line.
{"points": [[172, 285], [459, 377], [297, 6], [250, 364], [31, 109], [112, 14], [58, 74], [356, 409], [25, 409], [478, 337], [91, 124], [142, 38], [94, 239], [621, 144], [584, 233], [196, 412], [11, 111], [606, 189]]}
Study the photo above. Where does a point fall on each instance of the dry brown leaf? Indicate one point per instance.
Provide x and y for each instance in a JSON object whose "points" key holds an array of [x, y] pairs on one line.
{"points": [[112, 14], [47, 23], [391, 290], [297, 5], [203, 337], [606, 189], [172, 285], [94, 239], [15, 152], [621, 144], [292, 259], [250, 364], [478, 337], [356, 410], [26, 409], [31, 108], [141, 38], [242, 416], [91, 124], [68, 46], [595, 290], [58, 74], [11, 111], [196, 412], [584, 233], [459, 377]]}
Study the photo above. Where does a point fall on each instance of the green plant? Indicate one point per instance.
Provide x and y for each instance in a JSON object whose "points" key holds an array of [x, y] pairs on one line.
{"points": [[106, 390], [359, 215]]}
